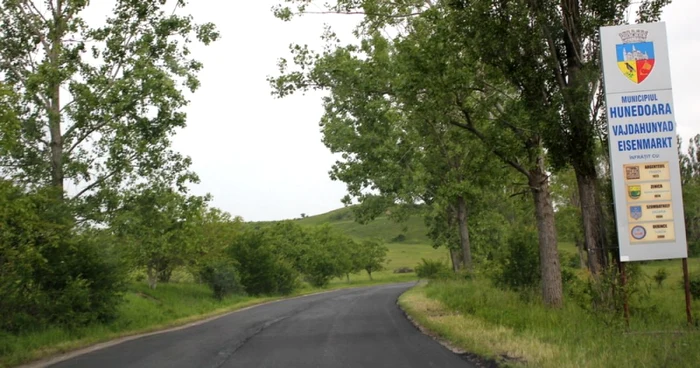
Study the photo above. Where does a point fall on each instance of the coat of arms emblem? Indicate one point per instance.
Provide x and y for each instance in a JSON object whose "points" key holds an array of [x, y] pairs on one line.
{"points": [[634, 191], [639, 232], [636, 212], [635, 56]]}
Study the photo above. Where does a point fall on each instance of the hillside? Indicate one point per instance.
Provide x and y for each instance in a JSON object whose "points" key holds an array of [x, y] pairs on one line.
{"points": [[412, 232], [407, 242]]}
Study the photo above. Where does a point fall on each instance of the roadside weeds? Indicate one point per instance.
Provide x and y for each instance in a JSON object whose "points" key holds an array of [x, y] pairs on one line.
{"points": [[484, 344]]}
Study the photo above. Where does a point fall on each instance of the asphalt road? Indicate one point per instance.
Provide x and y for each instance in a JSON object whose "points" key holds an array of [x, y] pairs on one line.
{"points": [[361, 327]]}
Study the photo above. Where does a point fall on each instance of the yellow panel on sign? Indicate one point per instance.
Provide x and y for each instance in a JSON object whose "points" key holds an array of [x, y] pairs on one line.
{"points": [[654, 191], [657, 171], [652, 232], [655, 211]]}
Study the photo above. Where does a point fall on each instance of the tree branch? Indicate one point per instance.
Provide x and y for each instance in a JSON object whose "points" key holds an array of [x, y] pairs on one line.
{"points": [[42, 99], [96, 183], [85, 134], [471, 128], [112, 79], [556, 60], [30, 9], [407, 15]]}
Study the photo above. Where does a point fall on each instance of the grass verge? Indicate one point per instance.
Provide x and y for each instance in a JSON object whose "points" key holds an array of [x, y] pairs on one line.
{"points": [[473, 316], [145, 310]]}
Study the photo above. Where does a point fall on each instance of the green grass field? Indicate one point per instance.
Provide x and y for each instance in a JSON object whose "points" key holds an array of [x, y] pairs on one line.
{"points": [[519, 332]]}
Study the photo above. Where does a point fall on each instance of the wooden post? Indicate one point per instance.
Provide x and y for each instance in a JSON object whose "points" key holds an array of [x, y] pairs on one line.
{"points": [[626, 304], [686, 282]]}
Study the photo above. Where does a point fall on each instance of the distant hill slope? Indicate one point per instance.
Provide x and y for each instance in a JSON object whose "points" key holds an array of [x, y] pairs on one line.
{"points": [[407, 242], [411, 232]]}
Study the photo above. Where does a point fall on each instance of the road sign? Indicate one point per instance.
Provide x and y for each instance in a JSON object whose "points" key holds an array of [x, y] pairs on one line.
{"points": [[643, 148]]}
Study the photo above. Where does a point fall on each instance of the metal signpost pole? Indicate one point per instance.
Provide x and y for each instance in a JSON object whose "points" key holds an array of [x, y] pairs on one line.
{"points": [[686, 284]]}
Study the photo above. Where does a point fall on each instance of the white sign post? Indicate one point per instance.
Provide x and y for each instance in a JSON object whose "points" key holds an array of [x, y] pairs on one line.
{"points": [[643, 147]]}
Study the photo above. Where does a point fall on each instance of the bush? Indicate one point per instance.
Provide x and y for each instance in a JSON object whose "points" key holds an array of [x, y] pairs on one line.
{"points": [[432, 269], [261, 267], [520, 265], [660, 276], [341, 215], [94, 282], [695, 286], [569, 260], [399, 238], [222, 277], [403, 270], [49, 273]]}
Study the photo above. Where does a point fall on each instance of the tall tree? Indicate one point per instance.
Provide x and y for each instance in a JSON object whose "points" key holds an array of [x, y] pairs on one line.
{"points": [[100, 103], [550, 51], [427, 76], [404, 155]]}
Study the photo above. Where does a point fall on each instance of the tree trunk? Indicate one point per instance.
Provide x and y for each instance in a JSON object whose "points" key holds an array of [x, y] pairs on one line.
{"points": [[454, 256], [369, 272], [462, 217], [550, 269], [165, 274], [591, 214], [54, 108], [581, 253], [347, 275], [152, 277]]}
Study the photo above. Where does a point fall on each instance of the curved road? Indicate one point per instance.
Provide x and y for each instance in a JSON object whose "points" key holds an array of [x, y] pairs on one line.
{"points": [[361, 327]]}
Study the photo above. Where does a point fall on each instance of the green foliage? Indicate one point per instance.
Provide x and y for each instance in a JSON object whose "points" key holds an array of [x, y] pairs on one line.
{"points": [[690, 178], [695, 286], [660, 276], [212, 231], [570, 337], [432, 269], [158, 226], [110, 133], [426, 117], [568, 208], [404, 270], [327, 256], [50, 273], [263, 270], [95, 106], [222, 277], [371, 256], [519, 266]]}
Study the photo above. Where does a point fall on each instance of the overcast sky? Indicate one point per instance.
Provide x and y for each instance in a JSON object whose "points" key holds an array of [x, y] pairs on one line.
{"points": [[262, 157]]}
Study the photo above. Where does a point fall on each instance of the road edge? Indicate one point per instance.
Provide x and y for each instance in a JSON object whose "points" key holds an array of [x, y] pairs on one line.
{"points": [[59, 357], [472, 358]]}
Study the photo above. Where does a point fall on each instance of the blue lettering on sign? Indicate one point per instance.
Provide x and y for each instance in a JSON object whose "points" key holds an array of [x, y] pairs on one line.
{"points": [[618, 112], [643, 128], [644, 144], [639, 98]]}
